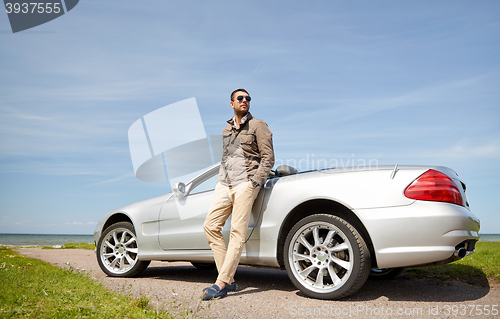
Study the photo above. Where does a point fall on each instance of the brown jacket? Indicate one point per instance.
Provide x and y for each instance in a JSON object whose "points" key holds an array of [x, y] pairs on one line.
{"points": [[247, 152]]}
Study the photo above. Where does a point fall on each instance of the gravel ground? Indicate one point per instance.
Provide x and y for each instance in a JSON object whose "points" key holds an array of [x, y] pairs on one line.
{"points": [[268, 293]]}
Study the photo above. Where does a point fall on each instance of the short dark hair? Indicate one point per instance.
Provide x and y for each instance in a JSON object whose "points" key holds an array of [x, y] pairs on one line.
{"points": [[238, 90]]}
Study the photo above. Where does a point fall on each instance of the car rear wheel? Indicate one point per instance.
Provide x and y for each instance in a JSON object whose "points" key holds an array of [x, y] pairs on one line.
{"points": [[326, 257], [385, 273], [117, 251]]}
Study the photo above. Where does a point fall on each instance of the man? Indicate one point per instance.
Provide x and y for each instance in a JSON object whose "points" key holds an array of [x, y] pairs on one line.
{"points": [[247, 158]]}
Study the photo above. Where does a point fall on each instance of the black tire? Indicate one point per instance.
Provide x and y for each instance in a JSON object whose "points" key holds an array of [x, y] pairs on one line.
{"points": [[204, 266], [386, 273], [326, 257], [117, 251]]}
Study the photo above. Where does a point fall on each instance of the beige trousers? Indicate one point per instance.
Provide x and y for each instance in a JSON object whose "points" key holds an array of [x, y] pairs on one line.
{"points": [[237, 201]]}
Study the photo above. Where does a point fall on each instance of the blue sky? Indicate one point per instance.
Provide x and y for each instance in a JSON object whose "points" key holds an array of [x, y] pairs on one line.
{"points": [[394, 81]]}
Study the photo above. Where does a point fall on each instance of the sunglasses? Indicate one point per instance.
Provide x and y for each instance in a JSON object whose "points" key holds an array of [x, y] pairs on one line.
{"points": [[241, 97]]}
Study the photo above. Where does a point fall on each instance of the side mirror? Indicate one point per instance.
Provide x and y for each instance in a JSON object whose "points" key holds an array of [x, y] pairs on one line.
{"points": [[179, 189]]}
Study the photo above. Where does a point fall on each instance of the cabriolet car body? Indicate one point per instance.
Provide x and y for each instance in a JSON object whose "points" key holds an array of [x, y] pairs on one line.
{"points": [[328, 228]]}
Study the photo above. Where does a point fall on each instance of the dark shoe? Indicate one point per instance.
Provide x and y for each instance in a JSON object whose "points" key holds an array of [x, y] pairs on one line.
{"points": [[214, 292], [230, 288]]}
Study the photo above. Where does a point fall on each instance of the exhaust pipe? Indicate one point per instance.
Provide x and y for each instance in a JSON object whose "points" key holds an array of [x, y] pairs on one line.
{"points": [[461, 253]]}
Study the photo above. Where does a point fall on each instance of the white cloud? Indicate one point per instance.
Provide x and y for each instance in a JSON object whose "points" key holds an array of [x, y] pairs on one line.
{"points": [[468, 150], [465, 151], [347, 110], [80, 223], [119, 178]]}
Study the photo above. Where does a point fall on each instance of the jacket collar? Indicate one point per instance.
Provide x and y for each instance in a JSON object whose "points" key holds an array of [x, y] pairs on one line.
{"points": [[245, 119]]}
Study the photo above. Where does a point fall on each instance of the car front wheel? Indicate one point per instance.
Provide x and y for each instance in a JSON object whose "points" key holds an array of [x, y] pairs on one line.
{"points": [[326, 257], [117, 251]]}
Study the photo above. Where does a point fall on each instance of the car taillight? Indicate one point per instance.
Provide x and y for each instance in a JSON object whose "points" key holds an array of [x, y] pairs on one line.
{"points": [[434, 186]]}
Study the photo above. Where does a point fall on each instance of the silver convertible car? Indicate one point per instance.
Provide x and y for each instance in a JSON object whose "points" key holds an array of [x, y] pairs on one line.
{"points": [[330, 229]]}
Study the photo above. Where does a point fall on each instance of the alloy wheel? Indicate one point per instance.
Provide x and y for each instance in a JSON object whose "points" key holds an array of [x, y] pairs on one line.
{"points": [[119, 250], [321, 256]]}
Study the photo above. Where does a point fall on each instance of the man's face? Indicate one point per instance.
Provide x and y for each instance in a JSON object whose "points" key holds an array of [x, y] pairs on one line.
{"points": [[240, 107]]}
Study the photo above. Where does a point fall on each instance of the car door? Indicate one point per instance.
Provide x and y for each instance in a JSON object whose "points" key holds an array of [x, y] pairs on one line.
{"points": [[181, 219]]}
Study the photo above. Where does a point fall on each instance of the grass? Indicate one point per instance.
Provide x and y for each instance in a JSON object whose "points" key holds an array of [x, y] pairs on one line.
{"points": [[87, 246], [37, 289], [473, 269]]}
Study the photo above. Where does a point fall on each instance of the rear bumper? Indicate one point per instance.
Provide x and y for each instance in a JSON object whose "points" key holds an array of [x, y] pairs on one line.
{"points": [[419, 234]]}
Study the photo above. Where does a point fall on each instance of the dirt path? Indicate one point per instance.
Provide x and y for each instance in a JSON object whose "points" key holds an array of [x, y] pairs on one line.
{"points": [[268, 293]]}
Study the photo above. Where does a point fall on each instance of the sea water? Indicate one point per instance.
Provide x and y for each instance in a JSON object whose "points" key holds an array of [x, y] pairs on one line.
{"points": [[43, 240], [489, 237]]}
